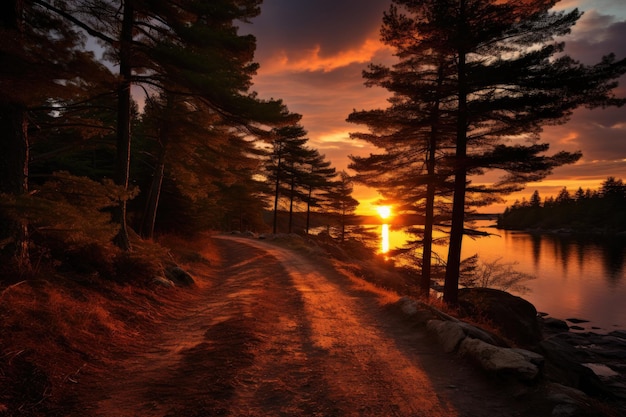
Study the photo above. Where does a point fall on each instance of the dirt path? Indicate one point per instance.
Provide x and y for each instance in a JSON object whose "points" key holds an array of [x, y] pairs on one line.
{"points": [[280, 335]]}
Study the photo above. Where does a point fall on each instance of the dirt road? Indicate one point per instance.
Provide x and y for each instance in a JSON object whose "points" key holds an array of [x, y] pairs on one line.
{"points": [[277, 334]]}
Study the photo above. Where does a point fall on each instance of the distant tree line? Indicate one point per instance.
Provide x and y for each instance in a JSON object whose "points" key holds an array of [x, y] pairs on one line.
{"points": [[584, 211]]}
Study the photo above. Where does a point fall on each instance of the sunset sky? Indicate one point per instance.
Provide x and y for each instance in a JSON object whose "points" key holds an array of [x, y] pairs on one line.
{"points": [[312, 54]]}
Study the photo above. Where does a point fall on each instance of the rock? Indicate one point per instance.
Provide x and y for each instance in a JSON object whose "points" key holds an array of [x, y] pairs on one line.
{"points": [[164, 282], [478, 333], [564, 366], [179, 276], [577, 321], [515, 317], [554, 325], [570, 402], [618, 333], [532, 357], [565, 410], [408, 306], [450, 334], [499, 360]]}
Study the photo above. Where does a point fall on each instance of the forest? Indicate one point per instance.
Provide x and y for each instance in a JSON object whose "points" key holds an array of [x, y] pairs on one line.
{"points": [[121, 121], [601, 211]]}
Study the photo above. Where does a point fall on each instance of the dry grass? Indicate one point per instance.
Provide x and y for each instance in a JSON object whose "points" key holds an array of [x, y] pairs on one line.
{"points": [[55, 328]]}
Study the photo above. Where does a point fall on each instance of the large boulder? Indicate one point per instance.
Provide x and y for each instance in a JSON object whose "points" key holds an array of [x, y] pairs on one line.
{"points": [[515, 317], [564, 365], [503, 361], [591, 362], [450, 333]]}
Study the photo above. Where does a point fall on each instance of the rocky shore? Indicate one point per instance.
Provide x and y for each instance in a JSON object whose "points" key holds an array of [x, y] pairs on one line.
{"points": [[582, 373]]}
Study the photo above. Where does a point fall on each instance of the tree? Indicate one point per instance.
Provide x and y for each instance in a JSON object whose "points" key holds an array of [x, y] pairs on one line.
{"points": [[510, 78], [414, 132], [288, 153], [187, 48], [535, 199], [563, 197], [589, 212], [319, 177], [340, 203], [613, 189], [43, 67]]}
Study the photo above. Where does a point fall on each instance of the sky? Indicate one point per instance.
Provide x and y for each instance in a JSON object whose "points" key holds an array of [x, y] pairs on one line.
{"points": [[312, 54]]}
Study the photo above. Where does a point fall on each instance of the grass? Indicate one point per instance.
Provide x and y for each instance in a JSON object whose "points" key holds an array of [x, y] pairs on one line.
{"points": [[54, 327]]}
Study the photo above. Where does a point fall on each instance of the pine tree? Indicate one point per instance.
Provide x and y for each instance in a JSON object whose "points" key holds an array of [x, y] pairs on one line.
{"points": [[318, 178], [43, 67], [414, 131], [285, 165], [509, 79], [535, 199], [340, 203], [188, 48]]}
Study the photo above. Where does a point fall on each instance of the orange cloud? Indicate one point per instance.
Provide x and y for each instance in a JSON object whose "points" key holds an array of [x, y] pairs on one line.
{"points": [[315, 60], [571, 137]]}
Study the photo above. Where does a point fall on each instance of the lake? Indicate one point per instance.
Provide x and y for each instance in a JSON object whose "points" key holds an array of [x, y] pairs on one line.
{"points": [[575, 277]]}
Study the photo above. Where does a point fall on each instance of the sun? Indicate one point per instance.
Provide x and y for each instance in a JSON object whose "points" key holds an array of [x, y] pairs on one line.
{"points": [[384, 211]]}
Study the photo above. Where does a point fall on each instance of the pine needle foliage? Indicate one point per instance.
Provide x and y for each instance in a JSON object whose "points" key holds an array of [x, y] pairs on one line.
{"points": [[68, 211]]}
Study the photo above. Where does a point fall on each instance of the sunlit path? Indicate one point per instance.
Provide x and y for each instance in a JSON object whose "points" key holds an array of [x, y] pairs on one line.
{"points": [[271, 332]]}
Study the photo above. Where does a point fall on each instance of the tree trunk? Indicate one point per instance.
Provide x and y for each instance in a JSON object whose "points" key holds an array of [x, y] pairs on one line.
{"points": [[451, 284], [152, 204], [424, 285], [154, 195], [276, 195], [123, 122], [14, 155], [429, 220], [14, 144], [292, 187], [308, 209], [343, 225]]}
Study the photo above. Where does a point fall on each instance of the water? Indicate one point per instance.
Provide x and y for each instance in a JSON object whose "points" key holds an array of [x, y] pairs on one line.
{"points": [[575, 278]]}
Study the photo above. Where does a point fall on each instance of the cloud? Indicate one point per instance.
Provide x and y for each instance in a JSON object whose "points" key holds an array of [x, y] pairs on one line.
{"points": [[314, 60], [600, 134], [323, 28], [596, 35]]}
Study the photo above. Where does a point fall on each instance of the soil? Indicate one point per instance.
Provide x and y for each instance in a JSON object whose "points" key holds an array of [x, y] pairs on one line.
{"points": [[276, 333]]}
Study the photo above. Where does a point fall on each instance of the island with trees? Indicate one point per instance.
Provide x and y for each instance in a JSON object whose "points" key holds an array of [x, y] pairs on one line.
{"points": [[601, 211]]}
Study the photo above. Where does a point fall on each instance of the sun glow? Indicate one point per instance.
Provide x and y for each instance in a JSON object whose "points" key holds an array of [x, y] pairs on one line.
{"points": [[384, 212]]}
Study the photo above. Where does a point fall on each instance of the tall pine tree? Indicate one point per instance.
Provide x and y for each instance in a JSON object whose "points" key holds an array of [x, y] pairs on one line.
{"points": [[505, 77], [43, 67]]}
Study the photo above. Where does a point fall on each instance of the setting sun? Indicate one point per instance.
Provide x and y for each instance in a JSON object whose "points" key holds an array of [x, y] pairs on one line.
{"points": [[384, 211]]}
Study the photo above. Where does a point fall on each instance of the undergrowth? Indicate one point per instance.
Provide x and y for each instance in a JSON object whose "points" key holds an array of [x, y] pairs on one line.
{"points": [[66, 319]]}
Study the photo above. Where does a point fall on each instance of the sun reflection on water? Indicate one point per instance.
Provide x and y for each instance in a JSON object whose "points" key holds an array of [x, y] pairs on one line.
{"points": [[384, 212], [384, 239]]}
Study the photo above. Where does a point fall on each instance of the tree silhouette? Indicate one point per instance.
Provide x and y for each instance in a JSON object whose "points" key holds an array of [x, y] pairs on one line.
{"points": [[340, 203], [44, 68], [507, 78]]}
